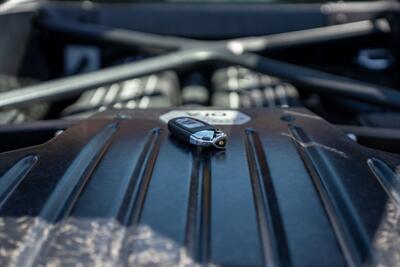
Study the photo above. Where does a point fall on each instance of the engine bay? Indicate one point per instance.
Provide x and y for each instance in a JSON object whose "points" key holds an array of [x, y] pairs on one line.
{"points": [[306, 99], [71, 60]]}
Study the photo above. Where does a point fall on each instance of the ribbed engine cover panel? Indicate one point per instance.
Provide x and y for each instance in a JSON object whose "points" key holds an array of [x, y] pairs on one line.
{"points": [[117, 190]]}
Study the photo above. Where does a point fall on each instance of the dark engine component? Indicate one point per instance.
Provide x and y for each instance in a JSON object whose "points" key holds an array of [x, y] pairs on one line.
{"points": [[237, 87], [195, 91], [289, 189], [154, 91], [380, 120], [34, 112], [231, 87]]}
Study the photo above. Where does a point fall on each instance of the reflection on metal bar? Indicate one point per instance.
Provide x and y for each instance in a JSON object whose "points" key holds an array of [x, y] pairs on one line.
{"points": [[74, 85], [312, 36], [318, 81], [118, 36], [227, 52], [255, 44]]}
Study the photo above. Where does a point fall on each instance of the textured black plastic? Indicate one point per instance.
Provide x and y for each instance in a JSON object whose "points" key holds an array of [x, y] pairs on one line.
{"points": [[288, 190]]}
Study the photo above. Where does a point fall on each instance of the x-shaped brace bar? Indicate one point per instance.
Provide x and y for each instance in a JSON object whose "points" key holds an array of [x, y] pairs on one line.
{"points": [[184, 52]]}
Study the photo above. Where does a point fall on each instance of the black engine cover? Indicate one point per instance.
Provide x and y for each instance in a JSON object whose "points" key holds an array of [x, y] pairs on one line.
{"points": [[118, 190]]}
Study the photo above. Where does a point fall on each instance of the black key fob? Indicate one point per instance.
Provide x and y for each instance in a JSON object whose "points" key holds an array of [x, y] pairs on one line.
{"points": [[197, 132]]}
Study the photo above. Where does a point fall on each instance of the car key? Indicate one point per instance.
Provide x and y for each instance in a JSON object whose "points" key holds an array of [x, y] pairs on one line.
{"points": [[197, 132]]}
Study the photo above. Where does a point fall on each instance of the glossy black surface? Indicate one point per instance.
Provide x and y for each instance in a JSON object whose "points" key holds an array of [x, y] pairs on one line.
{"points": [[288, 190]]}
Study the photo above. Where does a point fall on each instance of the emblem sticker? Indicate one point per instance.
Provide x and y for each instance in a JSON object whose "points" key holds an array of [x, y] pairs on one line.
{"points": [[214, 117]]}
